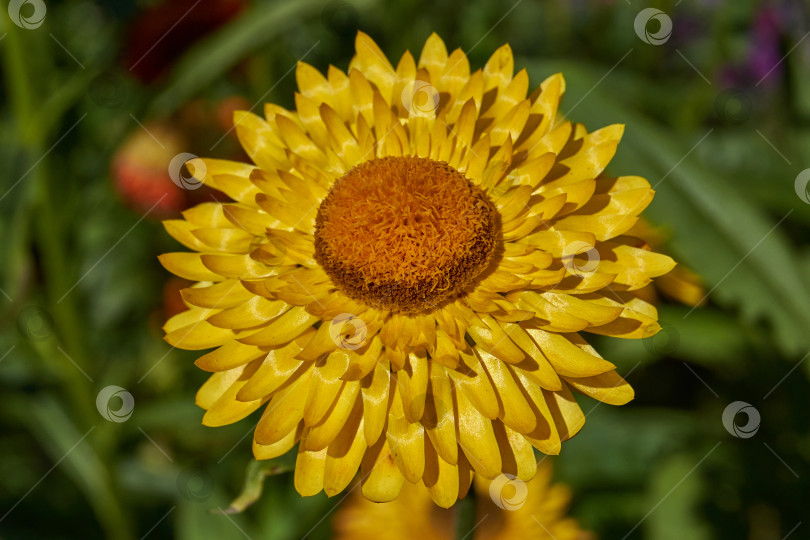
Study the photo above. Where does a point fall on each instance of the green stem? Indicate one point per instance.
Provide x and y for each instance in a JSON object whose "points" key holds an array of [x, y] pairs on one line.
{"points": [[465, 517]]}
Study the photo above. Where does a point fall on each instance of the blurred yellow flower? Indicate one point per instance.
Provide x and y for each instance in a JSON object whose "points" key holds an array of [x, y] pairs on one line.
{"points": [[404, 272], [507, 509]]}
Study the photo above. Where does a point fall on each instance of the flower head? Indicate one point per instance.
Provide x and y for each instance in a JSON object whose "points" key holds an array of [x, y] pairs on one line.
{"points": [[507, 509], [403, 276]]}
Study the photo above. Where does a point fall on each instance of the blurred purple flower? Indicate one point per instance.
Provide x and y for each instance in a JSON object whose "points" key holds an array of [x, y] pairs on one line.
{"points": [[765, 55]]}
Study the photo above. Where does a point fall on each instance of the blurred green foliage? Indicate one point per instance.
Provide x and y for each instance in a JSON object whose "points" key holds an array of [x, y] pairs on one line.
{"points": [[720, 140]]}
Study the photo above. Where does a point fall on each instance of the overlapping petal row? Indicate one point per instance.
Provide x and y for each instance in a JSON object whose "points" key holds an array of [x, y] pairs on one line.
{"points": [[471, 386]]}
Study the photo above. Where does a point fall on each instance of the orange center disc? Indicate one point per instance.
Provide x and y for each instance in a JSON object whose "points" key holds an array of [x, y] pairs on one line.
{"points": [[405, 233]]}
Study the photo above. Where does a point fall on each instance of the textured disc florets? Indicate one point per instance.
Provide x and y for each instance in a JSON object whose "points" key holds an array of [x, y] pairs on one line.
{"points": [[405, 233]]}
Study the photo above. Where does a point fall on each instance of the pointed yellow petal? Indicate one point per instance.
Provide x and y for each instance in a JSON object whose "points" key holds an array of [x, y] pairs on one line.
{"points": [[568, 359], [434, 56], [608, 388], [499, 68]]}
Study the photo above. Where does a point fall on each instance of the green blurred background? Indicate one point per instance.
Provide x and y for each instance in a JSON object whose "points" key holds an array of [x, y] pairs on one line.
{"points": [[97, 97]]}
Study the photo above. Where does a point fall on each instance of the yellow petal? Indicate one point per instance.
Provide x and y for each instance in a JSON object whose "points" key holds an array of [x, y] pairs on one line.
{"points": [[325, 433], [309, 472], [471, 379], [288, 326], [325, 387], [545, 436], [254, 312], [407, 442], [259, 140], [499, 68], [441, 478], [413, 381], [277, 367], [372, 62], [538, 368], [271, 451], [491, 338], [222, 295], [439, 419], [568, 359], [515, 411], [216, 385], [381, 479], [516, 453], [284, 411], [608, 388], [198, 336], [567, 414], [344, 455], [230, 355], [433, 57], [228, 408], [375, 391], [188, 266], [477, 438]]}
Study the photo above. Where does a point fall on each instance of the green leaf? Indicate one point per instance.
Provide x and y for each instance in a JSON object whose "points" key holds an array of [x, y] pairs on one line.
{"points": [[678, 487], [73, 451], [206, 62]]}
